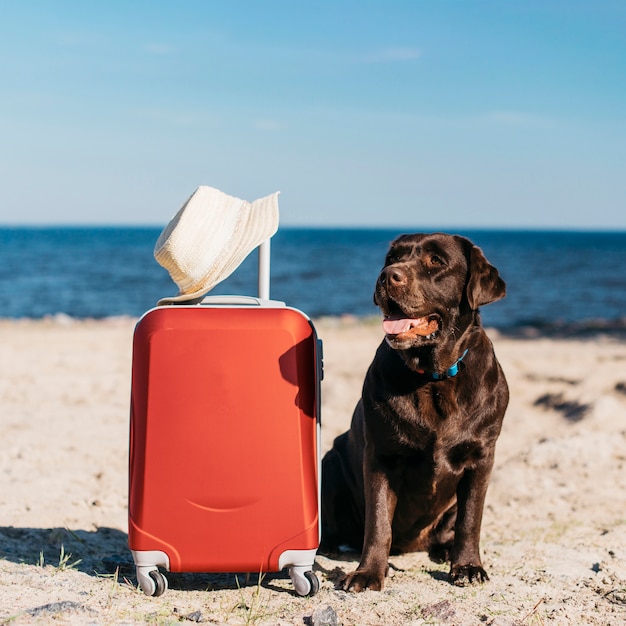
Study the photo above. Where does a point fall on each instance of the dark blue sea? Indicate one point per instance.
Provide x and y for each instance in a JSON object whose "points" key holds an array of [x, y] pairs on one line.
{"points": [[555, 280]]}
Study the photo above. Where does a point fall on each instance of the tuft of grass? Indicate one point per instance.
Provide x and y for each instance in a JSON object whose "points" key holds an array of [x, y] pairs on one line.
{"points": [[116, 584], [11, 618], [65, 562], [74, 535], [533, 616], [253, 609]]}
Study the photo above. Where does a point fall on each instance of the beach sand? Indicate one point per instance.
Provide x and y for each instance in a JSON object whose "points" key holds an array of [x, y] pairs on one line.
{"points": [[554, 528]]}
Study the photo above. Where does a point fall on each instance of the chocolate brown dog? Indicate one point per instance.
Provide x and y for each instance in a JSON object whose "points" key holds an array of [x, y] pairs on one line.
{"points": [[412, 471]]}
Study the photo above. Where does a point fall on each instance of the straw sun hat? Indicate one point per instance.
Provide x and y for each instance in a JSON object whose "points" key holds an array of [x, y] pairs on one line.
{"points": [[209, 237]]}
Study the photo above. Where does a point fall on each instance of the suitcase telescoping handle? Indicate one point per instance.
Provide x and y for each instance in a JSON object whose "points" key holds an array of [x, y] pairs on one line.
{"points": [[264, 270], [263, 285]]}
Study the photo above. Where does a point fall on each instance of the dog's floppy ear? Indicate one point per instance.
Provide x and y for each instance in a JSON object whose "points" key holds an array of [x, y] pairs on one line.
{"points": [[484, 284]]}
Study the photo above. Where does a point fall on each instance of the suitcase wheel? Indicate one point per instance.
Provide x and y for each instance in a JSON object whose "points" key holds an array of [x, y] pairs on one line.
{"points": [[305, 583], [152, 582], [314, 581]]}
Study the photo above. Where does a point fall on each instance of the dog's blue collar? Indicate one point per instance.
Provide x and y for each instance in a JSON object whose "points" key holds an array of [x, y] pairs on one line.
{"points": [[449, 373]]}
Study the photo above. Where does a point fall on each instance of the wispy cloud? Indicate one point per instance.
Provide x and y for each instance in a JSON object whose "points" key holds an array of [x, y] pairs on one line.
{"points": [[158, 49], [268, 125], [515, 118], [392, 55], [86, 39], [176, 118]]}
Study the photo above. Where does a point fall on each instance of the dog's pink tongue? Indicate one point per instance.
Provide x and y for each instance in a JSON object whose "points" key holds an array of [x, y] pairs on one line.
{"points": [[417, 325]]}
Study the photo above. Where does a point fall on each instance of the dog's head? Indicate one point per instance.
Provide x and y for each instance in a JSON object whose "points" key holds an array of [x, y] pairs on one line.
{"points": [[431, 287]]}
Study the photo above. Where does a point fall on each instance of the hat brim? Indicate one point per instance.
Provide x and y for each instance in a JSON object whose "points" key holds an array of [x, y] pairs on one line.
{"points": [[189, 298]]}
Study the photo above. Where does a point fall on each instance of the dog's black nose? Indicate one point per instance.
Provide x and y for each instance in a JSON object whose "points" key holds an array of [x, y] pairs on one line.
{"points": [[394, 276]]}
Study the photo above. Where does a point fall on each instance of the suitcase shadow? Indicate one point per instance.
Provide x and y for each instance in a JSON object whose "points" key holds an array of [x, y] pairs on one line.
{"points": [[101, 552], [275, 581], [104, 553]]}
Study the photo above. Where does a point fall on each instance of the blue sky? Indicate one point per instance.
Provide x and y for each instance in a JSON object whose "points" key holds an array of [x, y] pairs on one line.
{"points": [[391, 113]]}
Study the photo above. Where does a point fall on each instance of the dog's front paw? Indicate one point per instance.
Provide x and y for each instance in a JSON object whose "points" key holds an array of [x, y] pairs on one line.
{"points": [[461, 575], [361, 579]]}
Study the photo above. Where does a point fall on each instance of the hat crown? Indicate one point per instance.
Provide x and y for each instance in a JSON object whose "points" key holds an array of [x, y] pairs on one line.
{"points": [[209, 237]]}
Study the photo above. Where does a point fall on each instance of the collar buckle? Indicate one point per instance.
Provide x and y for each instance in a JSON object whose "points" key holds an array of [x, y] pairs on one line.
{"points": [[451, 372]]}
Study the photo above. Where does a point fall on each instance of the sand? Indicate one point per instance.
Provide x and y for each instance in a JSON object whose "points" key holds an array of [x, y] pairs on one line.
{"points": [[554, 529]]}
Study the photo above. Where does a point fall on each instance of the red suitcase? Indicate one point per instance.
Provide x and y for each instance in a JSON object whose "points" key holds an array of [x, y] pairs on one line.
{"points": [[224, 441]]}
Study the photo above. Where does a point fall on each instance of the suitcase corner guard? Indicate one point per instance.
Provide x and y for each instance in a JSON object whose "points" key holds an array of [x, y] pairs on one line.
{"points": [[300, 564], [150, 579]]}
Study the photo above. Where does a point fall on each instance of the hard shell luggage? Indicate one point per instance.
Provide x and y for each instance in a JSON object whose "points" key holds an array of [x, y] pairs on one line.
{"points": [[224, 440]]}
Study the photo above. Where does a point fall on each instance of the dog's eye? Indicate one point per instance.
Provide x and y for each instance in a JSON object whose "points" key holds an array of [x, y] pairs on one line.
{"points": [[436, 260]]}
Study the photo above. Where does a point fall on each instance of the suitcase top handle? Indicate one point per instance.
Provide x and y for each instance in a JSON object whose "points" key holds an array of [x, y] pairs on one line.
{"points": [[264, 270]]}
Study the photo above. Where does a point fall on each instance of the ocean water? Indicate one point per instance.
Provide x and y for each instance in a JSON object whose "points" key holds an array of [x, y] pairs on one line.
{"points": [[554, 279]]}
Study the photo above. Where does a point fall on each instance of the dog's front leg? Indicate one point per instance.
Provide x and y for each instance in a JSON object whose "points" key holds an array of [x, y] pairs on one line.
{"points": [[380, 504], [465, 562]]}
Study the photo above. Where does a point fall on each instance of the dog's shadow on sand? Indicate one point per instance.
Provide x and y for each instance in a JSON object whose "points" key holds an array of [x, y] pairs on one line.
{"points": [[104, 553]]}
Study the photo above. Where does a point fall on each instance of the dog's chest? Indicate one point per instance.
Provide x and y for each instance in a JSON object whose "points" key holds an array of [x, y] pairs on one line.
{"points": [[430, 426], [432, 408]]}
